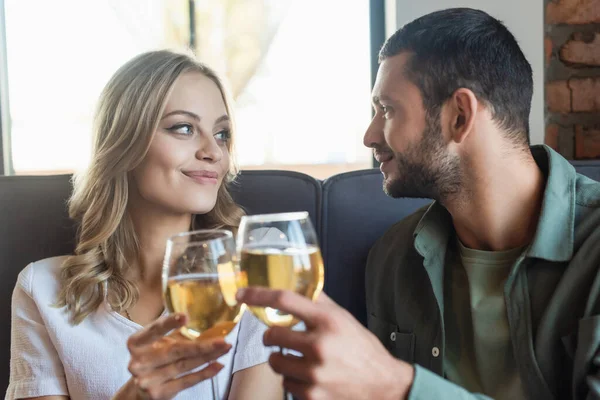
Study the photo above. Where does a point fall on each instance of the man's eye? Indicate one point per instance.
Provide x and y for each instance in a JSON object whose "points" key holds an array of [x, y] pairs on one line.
{"points": [[386, 112]]}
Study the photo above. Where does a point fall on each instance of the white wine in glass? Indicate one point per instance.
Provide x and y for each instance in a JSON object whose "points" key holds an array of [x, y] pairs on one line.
{"points": [[201, 276], [280, 251], [284, 268]]}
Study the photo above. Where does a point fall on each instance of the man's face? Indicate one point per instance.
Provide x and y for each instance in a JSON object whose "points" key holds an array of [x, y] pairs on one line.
{"points": [[408, 142]]}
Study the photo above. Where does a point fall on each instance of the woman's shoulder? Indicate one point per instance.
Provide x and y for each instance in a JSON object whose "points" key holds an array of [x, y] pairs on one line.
{"points": [[43, 276]]}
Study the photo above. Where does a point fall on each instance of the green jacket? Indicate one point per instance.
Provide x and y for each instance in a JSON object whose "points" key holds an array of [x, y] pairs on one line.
{"points": [[552, 293]]}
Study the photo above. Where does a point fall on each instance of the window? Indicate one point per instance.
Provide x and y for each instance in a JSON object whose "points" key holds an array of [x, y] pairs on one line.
{"points": [[300, 72]]}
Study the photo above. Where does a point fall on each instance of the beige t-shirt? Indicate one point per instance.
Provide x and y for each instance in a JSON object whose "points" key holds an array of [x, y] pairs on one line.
{"points": [[479, 354]]}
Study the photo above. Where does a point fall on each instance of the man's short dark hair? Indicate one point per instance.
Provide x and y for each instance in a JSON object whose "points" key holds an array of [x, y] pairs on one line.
{"points": [[466, 48]]}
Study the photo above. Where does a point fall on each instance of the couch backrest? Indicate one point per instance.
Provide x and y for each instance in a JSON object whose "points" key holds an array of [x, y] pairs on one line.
{"points": [[34, 223], [261, 192], [349, 212], [355, 214], [591, 169]]}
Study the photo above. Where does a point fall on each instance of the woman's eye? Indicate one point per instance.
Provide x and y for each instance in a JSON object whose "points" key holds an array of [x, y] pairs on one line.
{"points": [[223, 136], [182, 129]]}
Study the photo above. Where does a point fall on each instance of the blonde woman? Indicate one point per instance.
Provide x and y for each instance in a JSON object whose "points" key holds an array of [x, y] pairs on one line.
{"points": [[92, 325]]}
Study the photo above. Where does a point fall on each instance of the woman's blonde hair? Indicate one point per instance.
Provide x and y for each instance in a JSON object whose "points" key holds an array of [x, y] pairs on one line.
{"points": [[127, 116]]}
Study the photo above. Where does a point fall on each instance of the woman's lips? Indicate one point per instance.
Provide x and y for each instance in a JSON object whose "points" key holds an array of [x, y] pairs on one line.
{"points": [[203, 177]]}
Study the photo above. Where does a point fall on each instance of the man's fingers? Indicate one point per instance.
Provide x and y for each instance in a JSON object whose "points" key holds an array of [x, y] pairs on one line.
{"points": [[325, 300], [156, 330], [284, 300], [297, 368], [299, 390], [287, 338]]}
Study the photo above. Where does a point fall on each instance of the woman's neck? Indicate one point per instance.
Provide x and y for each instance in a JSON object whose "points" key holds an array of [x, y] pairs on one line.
{"points": [[153, 227]]}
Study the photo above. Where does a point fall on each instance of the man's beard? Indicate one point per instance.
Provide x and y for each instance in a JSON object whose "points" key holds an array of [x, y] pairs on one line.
{"points": [[425, 169]]}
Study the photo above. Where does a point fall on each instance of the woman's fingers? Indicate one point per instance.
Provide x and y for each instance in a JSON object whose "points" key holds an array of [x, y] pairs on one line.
{"points": [[179, 367], [169, 350], [170, 389], [156, 330], [161, 359]]}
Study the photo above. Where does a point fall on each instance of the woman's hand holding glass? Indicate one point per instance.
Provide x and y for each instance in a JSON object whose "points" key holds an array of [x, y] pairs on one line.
{"points": [[200, 279], [162, 360], [201, 276]]}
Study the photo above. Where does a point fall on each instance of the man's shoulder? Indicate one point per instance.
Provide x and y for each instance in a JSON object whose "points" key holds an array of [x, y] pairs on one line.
{"points": [[587, 192]]}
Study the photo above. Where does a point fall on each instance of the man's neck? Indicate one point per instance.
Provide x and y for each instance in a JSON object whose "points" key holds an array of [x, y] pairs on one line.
{"points": [[500, 203]]}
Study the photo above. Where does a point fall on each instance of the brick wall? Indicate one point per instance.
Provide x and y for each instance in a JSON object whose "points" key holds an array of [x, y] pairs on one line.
{"points": [[572, 49]]}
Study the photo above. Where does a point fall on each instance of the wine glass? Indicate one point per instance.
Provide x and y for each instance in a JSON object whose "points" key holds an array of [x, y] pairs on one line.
{"points": [[280, 251], [200, 277]]}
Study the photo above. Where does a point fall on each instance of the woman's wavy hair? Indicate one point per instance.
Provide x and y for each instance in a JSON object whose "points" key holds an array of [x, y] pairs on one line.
{"points": [[127, 115]]}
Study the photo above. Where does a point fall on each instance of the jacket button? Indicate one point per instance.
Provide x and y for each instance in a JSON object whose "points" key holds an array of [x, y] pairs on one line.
{"points": [[435, 352], [393, 336]]}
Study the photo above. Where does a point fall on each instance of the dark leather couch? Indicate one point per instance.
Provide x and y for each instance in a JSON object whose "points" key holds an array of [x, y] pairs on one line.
{"points": [[349, 212]]}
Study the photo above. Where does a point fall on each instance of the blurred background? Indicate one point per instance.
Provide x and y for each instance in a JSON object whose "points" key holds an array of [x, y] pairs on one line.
{"points": [[300, 70]]}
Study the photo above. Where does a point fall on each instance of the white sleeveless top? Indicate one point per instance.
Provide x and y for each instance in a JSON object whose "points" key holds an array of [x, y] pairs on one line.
{"points": [[49, 356]]}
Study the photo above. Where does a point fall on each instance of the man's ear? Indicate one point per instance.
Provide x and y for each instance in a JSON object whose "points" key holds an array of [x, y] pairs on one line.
{"points": [[462, 109]]}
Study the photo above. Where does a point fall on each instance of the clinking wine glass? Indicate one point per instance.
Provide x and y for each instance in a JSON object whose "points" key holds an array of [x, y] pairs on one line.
{"points": [[201, 276], [280, 251]]}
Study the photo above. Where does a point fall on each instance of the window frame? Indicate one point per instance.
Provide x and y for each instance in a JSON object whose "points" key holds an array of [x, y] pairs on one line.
{"points": [[6, 167], [377, 22]]}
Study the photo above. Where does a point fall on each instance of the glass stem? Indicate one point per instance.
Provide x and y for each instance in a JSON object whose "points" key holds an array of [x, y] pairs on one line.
{"points": [[215, 388]]}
